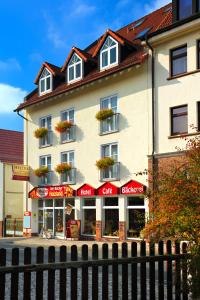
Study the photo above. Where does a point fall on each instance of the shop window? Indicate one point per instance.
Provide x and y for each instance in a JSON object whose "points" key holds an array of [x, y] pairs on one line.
{"points": [[58, 203], [111, 217], [135, 216], [45, 122], [48, 203], [110, 124], [69, 134], [178, 60], [89, 216], [179, 120]]}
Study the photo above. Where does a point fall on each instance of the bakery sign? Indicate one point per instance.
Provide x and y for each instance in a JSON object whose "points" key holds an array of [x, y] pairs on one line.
{"points": [[60, 191], [20, 172], [132, 188]]}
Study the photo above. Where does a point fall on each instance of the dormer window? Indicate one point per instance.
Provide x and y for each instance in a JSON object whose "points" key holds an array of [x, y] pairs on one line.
{"points": [[45, 82], [109, 54], [74, 69]]}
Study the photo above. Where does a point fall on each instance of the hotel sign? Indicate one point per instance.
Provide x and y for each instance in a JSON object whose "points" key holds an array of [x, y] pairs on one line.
{"points": [[20, 172], [107, 189], [86, 190], [60, 191], [132, 188]]}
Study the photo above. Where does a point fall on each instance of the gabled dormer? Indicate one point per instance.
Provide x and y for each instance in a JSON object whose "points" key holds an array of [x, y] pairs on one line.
{"points": [[183, 9]]}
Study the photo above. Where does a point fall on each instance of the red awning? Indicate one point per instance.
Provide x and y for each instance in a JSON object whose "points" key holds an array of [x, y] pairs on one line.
{"points": [[86, 190], [107, 189], [59, 191], [132, 188]]}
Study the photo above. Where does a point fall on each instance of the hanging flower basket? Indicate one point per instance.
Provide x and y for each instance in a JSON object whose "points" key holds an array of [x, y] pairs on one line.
{"points": [[40, 132], [63, 126], [104, 114], [63, 168], [105, 163], [42, 171]]}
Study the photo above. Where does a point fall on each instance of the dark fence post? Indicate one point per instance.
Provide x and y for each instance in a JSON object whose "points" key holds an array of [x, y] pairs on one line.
{"points": [[63, 277], [143, 287], [124, 272], [177, 272], [39, 274], [15, 275], [105, 273], [184, 273], [74, 257], [27, 275], [134, 272], [95, 287], [115, 272], [160, 272], [2, 276], [169, 270], [51, 274], [85, 273], [152, 271]]}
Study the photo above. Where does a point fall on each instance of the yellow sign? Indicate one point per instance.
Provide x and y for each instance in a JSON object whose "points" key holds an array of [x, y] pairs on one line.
{"points": [[20, 172]]}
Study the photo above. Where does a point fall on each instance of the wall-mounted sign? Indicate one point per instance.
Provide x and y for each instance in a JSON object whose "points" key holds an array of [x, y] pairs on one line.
{"points": [[132, 188], [27, 220], [59, 191], [107, 189], [20, 172], [86, 190]]}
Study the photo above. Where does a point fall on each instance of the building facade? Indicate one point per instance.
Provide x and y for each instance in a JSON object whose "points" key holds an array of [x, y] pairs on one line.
{"points": [[104, 117]]}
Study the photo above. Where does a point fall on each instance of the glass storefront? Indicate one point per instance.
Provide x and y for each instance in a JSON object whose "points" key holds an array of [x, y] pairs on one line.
{"points": [[135, 216], [89, 216], [111, 217]]}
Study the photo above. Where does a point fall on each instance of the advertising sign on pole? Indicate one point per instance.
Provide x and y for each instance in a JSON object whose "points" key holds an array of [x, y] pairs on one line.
{"points": [[27, 220]]}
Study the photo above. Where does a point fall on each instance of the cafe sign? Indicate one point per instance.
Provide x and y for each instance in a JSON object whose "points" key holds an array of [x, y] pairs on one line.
{"points": [[132, 188], [86, 190], [60, 191], [107, 189], [20, 172]]}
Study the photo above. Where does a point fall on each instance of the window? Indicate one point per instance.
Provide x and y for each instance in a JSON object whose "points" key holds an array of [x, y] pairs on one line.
{"points": [[185, 9], [135, 216], [198, 116], [47, 139], [179, 61], [111, 217], [109, 53], [198, 5], [112, 172], [179, 120], [70, 176], [89, 216], [45, 82], [46, 161], [198, 54], [69, 135], [74, 69], [110, 124]]}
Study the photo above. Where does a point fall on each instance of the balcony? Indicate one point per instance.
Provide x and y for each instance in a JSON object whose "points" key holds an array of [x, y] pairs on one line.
{"points": [[69, 177], [46, 140], [69, 135], [112, 173], [46, 180], [110, 124]]}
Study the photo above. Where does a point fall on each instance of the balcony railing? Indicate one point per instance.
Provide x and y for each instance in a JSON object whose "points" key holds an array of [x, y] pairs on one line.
{"points": [[45, 180], [69, 135], [69, 177], [111, 173], [110, 124], [46, 140]]}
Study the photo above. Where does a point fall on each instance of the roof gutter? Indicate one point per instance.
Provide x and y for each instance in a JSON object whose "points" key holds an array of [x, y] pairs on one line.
{"points": [[17, 111]]}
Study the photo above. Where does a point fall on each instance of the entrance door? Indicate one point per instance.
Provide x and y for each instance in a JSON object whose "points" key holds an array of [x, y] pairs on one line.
{"points": [[48, 220], [58, 221]]}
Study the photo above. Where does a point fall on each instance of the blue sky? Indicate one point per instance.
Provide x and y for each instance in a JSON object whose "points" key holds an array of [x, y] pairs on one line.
{"points": [[33, 31]]}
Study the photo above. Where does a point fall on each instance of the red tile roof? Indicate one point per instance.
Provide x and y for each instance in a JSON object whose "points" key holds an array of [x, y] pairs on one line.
{"points": [[126, 36], [11, 146]]}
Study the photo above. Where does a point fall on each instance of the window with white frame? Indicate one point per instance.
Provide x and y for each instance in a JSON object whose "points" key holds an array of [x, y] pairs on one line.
{"points": [[89, 216], [135, 216], [45, 82], [110, 124], [111, 217], [75, 68], [110, 150], [109, 53], [112, 172], [68, 157], [47, 139], [68, 135], [45, 161]]}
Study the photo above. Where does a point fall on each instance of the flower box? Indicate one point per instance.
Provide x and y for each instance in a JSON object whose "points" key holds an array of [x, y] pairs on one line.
{"points": [[63, 168], [40, 132], [63, 126], [104, 114], [42, 171], [105, 163]]}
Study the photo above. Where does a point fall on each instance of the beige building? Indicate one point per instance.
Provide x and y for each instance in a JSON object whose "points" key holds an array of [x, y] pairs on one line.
{"points": [[130, 97]]}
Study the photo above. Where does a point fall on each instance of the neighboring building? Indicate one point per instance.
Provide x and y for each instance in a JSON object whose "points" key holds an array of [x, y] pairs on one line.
{"points": [[154, 97], [11, 191]]}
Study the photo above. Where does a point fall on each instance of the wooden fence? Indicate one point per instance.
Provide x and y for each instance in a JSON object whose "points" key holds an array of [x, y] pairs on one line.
{"points": [[132, 271]]}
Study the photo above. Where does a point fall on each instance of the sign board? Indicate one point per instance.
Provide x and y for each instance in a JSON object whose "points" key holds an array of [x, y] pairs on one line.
{"points": [[20, 172], [72, 229], [132, 188], [107, 189], [86, 190], [59, 191], [27, 220], [68, 209]]}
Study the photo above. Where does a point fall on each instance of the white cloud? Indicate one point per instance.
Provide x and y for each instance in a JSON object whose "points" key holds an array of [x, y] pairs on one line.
{"points": [[155, 5], [10, 97], [9, 64], [83, 10]]}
